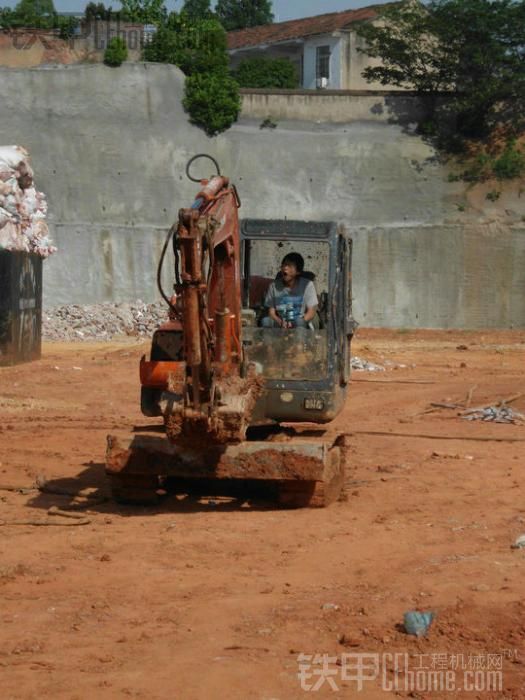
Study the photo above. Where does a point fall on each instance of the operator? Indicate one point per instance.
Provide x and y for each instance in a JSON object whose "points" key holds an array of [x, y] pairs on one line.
{"points": [[291, 299]]}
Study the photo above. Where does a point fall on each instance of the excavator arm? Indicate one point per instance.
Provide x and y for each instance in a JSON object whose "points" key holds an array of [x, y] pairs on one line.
{"points": [[210, 393]]}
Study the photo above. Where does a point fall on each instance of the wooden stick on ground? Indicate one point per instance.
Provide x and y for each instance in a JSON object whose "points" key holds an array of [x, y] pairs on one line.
{"points": [[470, 394], [498, 404], [424, 436], [17, 489], [65, 513], [393, 381], [84, 521], [445, 405]]}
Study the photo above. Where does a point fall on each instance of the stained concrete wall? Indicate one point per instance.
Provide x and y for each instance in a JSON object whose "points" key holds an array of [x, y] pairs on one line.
{"points": [[332, 106], [109, 147]]}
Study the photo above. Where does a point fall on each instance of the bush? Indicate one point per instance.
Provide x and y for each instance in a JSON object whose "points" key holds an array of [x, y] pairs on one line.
{"points": [[212, 100], [267, 73], [199, 48], [116, 52], [510, 164]]}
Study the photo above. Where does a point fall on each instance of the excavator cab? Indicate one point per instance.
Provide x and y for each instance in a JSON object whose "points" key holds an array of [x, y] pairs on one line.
{"points": [[306, 370]]}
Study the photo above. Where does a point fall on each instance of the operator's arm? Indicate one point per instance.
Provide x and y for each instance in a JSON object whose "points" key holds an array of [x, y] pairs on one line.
{"points": [[272, 313], [310, 301], [310, 313], [269, 302]]}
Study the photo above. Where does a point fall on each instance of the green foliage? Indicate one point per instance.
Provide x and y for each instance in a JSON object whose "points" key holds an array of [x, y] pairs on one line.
{"points": [[25, 15], [197, 9], [266, 73], [194, 46], [35, 8], [510, 164], [30, 13], [6, 17], [472, 49], [66, 26], [198, 47], [493, 195], [239, 14], [212, 100], [504, 163], [116, 52], [144, 11], [268, 123], [97, 10]]}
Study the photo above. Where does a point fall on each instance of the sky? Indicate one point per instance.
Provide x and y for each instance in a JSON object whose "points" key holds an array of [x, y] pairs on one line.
{"points": [[282, 9]]}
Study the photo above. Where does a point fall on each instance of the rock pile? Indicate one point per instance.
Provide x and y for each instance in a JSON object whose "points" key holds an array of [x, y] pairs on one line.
{"points": [[103, 321]]}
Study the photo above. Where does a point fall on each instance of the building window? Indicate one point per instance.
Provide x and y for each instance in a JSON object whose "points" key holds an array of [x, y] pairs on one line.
{"points": [[322, 64]]}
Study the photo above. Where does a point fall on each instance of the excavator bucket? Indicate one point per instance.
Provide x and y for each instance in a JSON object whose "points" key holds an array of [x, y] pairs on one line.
{"points": [[306, 471]]}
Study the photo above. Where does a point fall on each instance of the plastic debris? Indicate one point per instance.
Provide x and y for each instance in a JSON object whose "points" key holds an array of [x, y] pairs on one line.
{"points": [[22, 208], [417, 623], [495, 414], [519, 543], [362, 365]]}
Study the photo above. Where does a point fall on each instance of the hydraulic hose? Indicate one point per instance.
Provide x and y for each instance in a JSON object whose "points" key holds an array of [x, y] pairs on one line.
{"points": [[159, 270]]}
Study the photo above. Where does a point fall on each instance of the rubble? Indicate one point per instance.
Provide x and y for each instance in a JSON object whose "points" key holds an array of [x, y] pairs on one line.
{"points": [[519, 543], [22, 208], [361, 365], [103, 321], [495, 414]]}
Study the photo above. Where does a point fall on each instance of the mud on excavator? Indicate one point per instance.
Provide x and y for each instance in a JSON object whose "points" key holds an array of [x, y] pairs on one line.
{"points": [[227, 389]]}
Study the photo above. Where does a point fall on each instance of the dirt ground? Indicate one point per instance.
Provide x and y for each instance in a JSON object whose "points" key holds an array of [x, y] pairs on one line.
{"points": [[210, 596]]}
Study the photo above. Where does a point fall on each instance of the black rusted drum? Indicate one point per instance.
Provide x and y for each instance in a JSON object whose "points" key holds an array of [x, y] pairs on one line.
{"points": [[20, 307]]}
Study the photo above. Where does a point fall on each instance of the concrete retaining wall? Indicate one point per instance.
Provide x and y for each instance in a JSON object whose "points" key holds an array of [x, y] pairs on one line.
{"points": [[109, 147], [333, 106]]}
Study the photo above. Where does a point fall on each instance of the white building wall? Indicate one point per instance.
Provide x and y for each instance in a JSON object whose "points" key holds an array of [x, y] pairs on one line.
{"points": [[309, 72]]}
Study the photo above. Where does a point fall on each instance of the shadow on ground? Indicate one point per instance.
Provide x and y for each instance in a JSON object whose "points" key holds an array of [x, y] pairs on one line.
{"points": [[90, 491]]}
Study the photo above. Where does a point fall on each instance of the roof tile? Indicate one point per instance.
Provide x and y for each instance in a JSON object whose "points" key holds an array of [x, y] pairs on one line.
{"points": [[298, 28]]}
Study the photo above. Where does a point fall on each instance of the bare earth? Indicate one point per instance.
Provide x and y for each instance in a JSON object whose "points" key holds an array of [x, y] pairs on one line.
{"points": [[216, 597]]}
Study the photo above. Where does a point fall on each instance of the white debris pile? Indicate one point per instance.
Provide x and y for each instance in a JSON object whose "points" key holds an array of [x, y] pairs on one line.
{"points": [[361, 365], [495, 414], [22, 208], [103, 321]]}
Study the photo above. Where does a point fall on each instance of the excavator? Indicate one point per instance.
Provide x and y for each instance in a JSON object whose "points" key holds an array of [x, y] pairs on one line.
{"points": [[239, 400]]}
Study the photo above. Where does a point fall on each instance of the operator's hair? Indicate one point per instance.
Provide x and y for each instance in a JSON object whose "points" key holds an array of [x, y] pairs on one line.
{"points": [[294, 259]]}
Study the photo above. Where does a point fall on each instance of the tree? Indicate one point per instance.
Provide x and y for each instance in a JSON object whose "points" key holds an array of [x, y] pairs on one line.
{"points": [[35, 13], [239, 14], [194, 46], [144, 11], [97, 10], [266, 73], [212, 100], [472, 49], [116, 52], [197, 9], [198, 47]]}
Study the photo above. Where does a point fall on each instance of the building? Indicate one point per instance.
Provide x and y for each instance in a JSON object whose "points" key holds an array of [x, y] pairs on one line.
{"points": [[323, 48]]}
